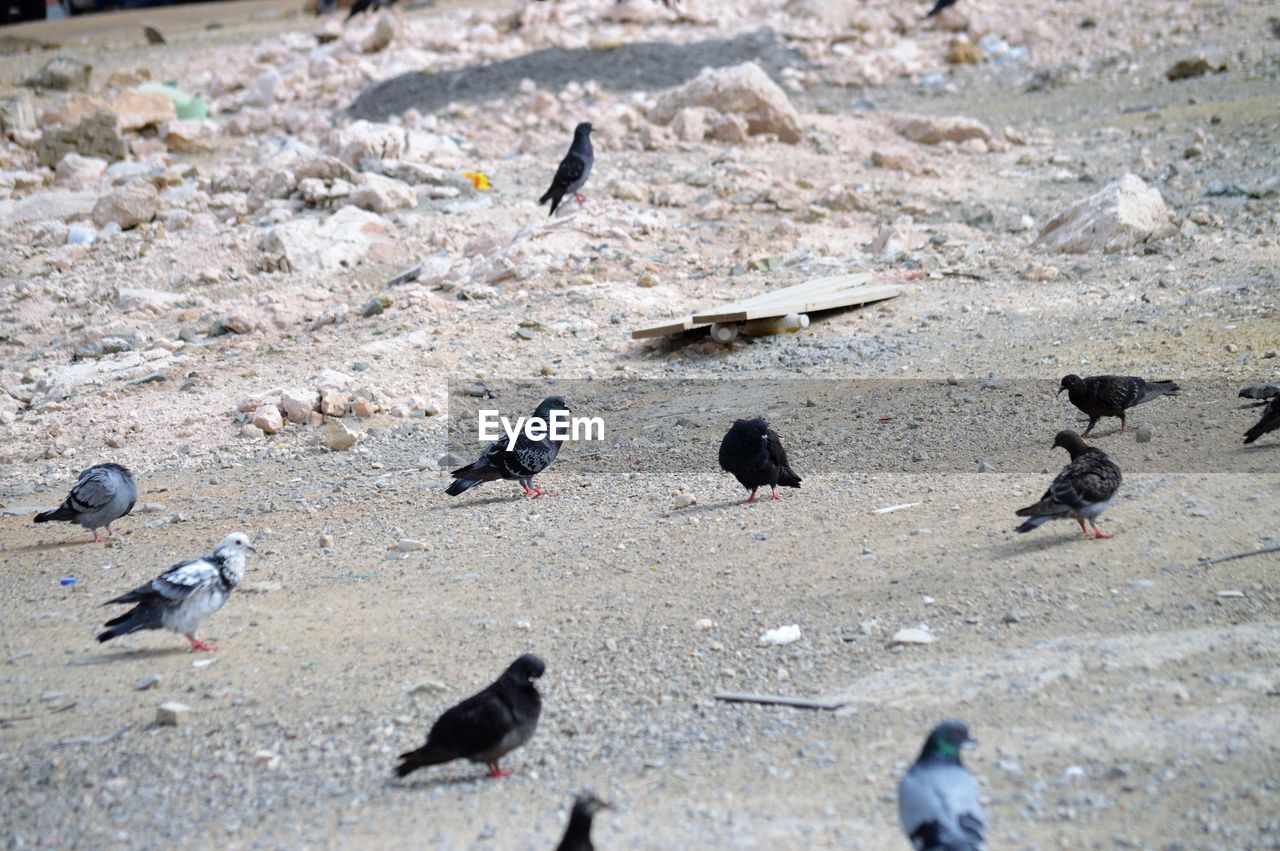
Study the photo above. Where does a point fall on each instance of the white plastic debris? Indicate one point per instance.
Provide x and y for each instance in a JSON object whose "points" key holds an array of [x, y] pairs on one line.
{"points": [[781, 635], [889, 509], [913, 635]]}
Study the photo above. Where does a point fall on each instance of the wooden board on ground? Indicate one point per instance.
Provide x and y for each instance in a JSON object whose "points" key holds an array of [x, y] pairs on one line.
{"points": [[812, 296]]}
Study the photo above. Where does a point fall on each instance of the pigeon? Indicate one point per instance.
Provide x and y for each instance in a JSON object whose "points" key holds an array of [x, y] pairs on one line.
{"points": [[529, 458], [577, 836], [938, 797], [1111, 395], [102, 494], [1270, 421], [574, 169], [486, 726], [753, 453], [1261, 391], [183, 597], [939, 6], [361, 6], [1082, 491]]}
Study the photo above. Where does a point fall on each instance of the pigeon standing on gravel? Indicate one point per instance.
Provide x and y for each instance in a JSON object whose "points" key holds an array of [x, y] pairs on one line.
{"points": [[1111, 395], [753, 453], [574, 169], [1270, 421], [102, 494], [183, 597], [486, 726], [938, 798], [577, 836], [528, 459], [1082, 491]]}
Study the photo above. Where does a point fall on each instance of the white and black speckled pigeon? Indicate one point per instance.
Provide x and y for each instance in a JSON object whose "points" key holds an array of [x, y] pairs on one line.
{"points": [[529, 458], [486, 726], [753, 453], [574, 169], [1269, 422], [102, 495], [182, 598], [577, 836], [1082, 491], [938, 798], [1111, 395]]}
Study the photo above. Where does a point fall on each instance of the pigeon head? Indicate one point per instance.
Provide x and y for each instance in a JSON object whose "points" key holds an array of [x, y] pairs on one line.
{"points": [[236, 542], [525, 669], [1069, 383], [947, 740], [582, 131], [550, 404], [587, 805], [1070, 441]]}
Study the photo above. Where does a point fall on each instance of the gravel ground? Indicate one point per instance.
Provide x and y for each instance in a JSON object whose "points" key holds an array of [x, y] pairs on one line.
{"points": [[1123, 691]]}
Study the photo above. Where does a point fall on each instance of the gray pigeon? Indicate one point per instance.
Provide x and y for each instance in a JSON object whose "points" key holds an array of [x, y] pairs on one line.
{"points": [[574, 169], [938, 798], [1262, 392], [183, 597], [1082, 491], [527, 460], [1111, 395], [486, 726], [102, 495]]}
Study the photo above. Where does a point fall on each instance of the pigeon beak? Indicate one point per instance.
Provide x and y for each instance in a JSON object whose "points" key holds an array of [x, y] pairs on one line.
{"points": [[1059, 393], [252, 548], [969, 743]]}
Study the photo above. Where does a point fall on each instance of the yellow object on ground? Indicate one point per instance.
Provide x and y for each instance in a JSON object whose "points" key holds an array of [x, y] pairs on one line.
{"points": [[478, 179]]}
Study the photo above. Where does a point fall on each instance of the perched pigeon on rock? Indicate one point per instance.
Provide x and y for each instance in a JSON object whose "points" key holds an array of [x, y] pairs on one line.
{"points": [[103, 494], [1082, 491], [577, 836], [486, 726], [184, 596], [753, 453], [1270, 421], [529, 458], [1112, 395], [938, 797], [574, 169], [939, 6]]}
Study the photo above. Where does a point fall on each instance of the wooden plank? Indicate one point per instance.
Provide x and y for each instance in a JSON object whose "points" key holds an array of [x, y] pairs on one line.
{"points": [[675, 326], [804, 304], [778, 700], [831, 283]]}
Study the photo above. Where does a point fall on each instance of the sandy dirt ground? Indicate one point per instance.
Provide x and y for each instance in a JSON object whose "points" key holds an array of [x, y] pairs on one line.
{"points": [[1124, 692]]}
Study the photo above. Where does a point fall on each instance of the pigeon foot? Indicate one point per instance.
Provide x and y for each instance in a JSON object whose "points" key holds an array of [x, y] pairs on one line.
{"points": [[98, 539], [581, 199], [751, 498], [495, 771], [197, 644], [1098, 533], [775, 496], [535, 492]]}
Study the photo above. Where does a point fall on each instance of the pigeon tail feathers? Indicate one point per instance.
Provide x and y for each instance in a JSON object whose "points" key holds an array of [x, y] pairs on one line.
{"points": [[1155, 389], [63, 512]]}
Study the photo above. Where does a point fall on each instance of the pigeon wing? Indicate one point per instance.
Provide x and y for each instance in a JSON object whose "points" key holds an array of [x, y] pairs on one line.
{"points": [[475, 726], [95, 489], [939, 808], [570, 171]]}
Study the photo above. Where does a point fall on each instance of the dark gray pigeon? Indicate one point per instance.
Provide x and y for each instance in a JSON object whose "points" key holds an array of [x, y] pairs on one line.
{"points": [[1261, 392], [527, 460], [577, 836], [574, 169], [938, 798], [486, 726], [1111, 395], [1082, 491], [1270, 421], [102, 495], [753, 453], [183, 597]]}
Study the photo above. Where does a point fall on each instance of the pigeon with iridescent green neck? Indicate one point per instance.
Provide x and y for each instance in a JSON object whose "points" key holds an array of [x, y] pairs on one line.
{"points": [[938, 798]]}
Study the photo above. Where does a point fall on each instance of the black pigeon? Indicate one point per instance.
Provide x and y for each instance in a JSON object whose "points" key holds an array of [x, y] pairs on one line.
{"points": [[753, 453], [939, 6], [577, 836], [527, 460], [361, 6], [938, 798], [1082, 491], [1270, 421], [486, 726], [101, 495], [1111, 395], [574, 169]]}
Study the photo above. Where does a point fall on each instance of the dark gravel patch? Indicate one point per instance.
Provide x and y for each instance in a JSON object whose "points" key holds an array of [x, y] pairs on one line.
{"points": [[642, 66]]}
